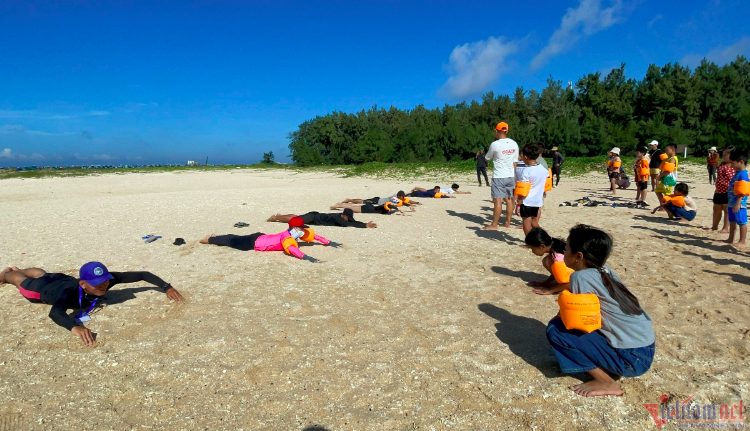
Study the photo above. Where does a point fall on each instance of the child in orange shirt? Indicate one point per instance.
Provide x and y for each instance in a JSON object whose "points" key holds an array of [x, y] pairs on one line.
{"points": [[641, 177]]}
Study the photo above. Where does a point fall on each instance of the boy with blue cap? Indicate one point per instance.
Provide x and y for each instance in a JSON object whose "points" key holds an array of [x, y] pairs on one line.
{"points": [[64, 292]]}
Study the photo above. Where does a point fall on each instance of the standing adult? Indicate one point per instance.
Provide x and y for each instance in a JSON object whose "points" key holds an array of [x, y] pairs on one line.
{"points": [[712, 161], [504, 154], [557, 162], [481, 167], [654, 162]]}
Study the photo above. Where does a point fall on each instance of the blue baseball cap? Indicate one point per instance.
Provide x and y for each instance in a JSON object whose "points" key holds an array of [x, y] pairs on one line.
{"points": [[94, 273]]}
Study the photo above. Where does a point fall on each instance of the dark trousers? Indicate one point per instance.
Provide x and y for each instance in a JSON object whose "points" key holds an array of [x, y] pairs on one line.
{"points": [[239, 242], [480, 172], [711, 174]]}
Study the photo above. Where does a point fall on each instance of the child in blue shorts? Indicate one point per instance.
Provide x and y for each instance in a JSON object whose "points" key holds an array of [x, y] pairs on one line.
{"points": [[737, 197]]}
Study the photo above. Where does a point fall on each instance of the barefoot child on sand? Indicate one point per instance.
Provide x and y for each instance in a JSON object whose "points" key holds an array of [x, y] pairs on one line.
{"points": [[285, 241], [679, 206], [739, 188], [724, 175], [624, 345], [541, 244], [533, 179], [641, 171], [613, 168], [64, 292]]}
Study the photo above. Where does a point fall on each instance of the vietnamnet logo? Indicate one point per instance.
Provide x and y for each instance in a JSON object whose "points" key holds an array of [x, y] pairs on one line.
{"points": [[689, 415]]}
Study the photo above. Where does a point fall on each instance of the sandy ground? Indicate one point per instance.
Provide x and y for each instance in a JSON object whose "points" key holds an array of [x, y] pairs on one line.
{"points": [[425, 323]]}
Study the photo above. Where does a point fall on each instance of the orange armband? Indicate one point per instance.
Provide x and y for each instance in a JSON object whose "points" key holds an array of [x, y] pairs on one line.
{"points": [[742, 188], [580, 311], [666, 199], [616, 164], [561, 272], [548, 183], [439, 195], [287, 243], [678, 201], [663, 156], [308, 236], [522, 189], [667, 167]]}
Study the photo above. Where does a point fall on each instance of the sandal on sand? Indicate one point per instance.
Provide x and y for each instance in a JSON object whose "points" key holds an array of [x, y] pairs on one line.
{"points": [[150, 238], [241, 224]]}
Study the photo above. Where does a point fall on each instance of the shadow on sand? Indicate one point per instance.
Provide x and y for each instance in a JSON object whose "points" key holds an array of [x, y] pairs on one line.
{"points": [[525, 337]]}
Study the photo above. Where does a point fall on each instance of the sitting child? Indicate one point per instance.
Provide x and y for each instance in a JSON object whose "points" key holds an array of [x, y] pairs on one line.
{"points": [[679, 206], [624, 344], [540, 243]]}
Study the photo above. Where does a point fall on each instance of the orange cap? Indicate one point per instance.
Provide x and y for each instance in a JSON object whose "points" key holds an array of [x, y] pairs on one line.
{"points": [[503, 127]]}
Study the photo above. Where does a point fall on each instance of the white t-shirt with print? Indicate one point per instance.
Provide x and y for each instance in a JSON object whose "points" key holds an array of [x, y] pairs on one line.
{"points": [[448, 191], [537, 176], [503, 153]]}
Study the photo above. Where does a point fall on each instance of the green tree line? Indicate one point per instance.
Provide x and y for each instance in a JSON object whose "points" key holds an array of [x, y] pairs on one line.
{"points": [[709, 106]]}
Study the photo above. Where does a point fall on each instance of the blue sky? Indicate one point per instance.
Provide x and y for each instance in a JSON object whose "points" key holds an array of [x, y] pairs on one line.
{"points": [[141, 82]]}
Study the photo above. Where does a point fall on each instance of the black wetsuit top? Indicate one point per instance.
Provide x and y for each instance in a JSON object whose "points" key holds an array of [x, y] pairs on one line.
{"points": [[655, 160], [330, 219], [61, 291]]}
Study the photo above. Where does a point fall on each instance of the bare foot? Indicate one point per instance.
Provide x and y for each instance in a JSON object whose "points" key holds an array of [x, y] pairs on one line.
{"points": [[520, 226], [205, 239], [336, 206], [597, 389], [739, 245], [490, 227], [507, 225], [724, 230], [273, 217], [725, 241], [2, 274], [545, 291]]}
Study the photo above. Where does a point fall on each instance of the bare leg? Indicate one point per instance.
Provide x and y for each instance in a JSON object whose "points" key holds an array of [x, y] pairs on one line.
{"points": [[660, 196], [496, 211], [418, 189], [717, 217], [16, 276], [725, 226], [205, 239], [341, 205], [353, 201], [281, 218], [509, 207], [732, 229], [602, 385], [613, 186], [527, 225], [653, 183], [743, 235]]}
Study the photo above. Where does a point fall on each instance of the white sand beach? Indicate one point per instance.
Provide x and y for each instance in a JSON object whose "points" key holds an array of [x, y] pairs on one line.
{"points": [[425, 323]]}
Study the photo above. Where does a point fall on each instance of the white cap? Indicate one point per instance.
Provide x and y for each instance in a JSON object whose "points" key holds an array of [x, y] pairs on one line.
{"points": [[615, 150], [712, 149], [654, 142]]}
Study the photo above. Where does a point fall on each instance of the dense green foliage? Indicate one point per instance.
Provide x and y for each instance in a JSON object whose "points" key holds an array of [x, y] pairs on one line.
{"points": [[709, 106]]}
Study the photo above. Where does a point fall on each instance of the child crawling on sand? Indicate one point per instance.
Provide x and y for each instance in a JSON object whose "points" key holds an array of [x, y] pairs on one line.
{"points": [[284, 241], [679, 206], [624, 345], [541, 244]]}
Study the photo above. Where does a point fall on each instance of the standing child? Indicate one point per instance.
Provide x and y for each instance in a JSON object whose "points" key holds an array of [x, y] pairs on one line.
{"points": [[739, 189], [530, 190], [668, 175], [679, 206], [481, 167], [624, 345], [712, 160], [613, 168], [540, 243], [724, 175], [642, 172]]}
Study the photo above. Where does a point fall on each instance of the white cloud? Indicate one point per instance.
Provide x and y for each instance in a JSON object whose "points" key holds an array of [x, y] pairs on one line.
{"points": [[587, 19], [6, 154], [475, 66], [720, 55], [656, 18]]}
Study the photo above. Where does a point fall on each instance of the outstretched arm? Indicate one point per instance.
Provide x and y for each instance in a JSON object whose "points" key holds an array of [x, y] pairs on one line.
{"points": [[321, 240], [136, 276]]}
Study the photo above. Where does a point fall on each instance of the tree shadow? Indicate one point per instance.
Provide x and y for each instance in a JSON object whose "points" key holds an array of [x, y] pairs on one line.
{"points": [[497, 235], [737, 278], [717, 260], [118, 296], [526, 276], [315, 428], [525, 337]]}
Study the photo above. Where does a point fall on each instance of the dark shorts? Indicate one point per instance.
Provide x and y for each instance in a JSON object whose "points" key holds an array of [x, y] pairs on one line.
{"points": [[721, 199], [557, 170], [31, 287], [527, 212], [368, 208], [309, 218], [614, 175], [418, 194], [642, 185], [373, 201]]}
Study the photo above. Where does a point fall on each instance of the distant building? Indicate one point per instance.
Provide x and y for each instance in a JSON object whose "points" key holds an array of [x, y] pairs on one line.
{"points": [[192, 163]]}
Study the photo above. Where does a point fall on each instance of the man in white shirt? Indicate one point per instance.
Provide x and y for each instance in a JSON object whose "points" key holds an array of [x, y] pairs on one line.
{"points": [[504, 154]]}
